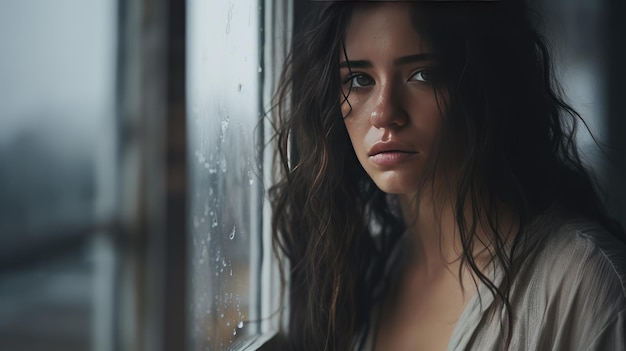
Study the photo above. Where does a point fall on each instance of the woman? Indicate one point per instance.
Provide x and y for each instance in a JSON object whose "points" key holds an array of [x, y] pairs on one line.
{"points": [[431, 195]]}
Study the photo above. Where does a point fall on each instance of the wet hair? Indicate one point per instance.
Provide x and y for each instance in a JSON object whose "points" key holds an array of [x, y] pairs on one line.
{"points": [[506, 125]]}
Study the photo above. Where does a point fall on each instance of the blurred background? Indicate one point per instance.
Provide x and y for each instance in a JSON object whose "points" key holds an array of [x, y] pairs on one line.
{"points": [[57, 114], [118, 233]]}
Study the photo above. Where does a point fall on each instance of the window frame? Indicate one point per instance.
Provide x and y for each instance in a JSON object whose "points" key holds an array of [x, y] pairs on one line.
{"points": [[152, 258]]}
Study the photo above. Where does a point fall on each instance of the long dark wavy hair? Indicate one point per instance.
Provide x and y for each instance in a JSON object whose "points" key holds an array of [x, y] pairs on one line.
{"points": [[504, 115]]}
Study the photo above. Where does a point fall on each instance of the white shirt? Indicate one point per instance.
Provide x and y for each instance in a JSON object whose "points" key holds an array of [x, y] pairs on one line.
{"points": [[569, 295]]}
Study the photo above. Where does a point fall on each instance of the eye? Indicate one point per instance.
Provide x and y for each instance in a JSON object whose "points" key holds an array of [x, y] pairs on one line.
{"points": [[423, 75], [358, 81]]}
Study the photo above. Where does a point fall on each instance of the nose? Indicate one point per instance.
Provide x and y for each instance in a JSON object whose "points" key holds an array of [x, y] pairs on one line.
{"points": [[388, 111]]}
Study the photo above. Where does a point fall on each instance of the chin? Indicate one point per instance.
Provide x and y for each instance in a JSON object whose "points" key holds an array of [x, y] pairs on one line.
{"points": [[392, 184]]}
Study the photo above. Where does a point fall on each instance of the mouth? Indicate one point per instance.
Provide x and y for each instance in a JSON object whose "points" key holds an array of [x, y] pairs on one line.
{"points": [[390, 153], [390, 148], [391, 157]]}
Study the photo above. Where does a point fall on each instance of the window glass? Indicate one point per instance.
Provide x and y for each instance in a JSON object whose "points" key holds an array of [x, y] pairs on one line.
{"points": [[225, 209]]}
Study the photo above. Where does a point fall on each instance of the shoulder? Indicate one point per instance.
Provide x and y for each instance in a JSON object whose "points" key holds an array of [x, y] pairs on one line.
{"points": [[571, 287], [583, 251]]}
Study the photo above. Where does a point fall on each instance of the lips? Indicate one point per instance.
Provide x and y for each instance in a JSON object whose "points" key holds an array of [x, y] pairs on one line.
{"points": [[390, 153]]}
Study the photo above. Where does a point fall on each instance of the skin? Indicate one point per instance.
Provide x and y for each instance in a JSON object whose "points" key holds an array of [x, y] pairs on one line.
{"points": [[392, 99], [391, 102]]}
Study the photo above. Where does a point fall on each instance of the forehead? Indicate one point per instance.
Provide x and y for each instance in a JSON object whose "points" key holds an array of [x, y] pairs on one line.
{"points": [[379, 28]]}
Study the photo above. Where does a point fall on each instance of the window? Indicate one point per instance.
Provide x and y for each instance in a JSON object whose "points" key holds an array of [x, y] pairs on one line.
{"points": [[233, 53]]}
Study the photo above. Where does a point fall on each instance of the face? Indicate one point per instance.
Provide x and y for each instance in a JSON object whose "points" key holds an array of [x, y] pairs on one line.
{"points": [[391, 113]]}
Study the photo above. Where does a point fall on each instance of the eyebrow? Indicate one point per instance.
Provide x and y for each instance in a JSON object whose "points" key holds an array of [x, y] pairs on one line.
{"points": [[397, 62]]}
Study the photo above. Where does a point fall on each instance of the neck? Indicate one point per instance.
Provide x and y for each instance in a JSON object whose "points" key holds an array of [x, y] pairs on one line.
{"points": [[435, 235], [432, 231]]}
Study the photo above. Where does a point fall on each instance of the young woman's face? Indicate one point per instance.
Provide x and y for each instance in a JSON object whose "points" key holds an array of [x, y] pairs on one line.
{"points": [[391, 113]]}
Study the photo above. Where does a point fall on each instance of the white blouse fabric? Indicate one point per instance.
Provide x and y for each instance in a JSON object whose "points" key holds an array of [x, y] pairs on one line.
{"points": [[569, 295]]}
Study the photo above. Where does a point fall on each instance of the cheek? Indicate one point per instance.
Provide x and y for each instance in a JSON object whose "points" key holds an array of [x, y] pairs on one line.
{"points": [[352, 129], [348, 104], [427, 116], [356, 124], [357, 133]]}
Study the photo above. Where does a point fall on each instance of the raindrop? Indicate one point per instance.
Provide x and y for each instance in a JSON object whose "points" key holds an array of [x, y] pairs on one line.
{"points": [[214, 223], [228, 324], [225, 124], [196, 222], [231, 272], [239, 87], [240, 325], [234, 331], [251, 181], [222, 315], [232, 233], [260, 69], [230, 17]]}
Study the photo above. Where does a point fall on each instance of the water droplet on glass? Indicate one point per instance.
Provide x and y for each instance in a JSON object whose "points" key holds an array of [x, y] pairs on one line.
{"points": [[260, 69], [234, 331], [239, 87], [231, 236], [251, 181], [228, 324], [231, 272], [222, 315], [230, 17], [214, 223], [240, 325]]}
